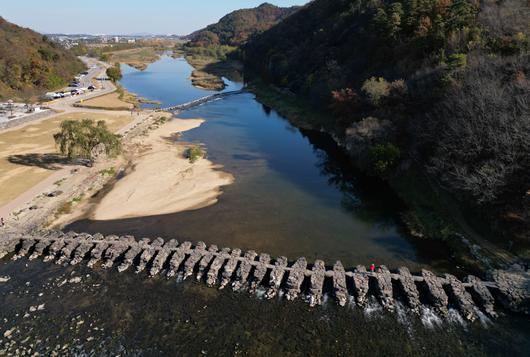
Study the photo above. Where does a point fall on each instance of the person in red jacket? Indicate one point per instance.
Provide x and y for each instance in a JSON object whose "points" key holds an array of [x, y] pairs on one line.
{"points": [[372, 267]]}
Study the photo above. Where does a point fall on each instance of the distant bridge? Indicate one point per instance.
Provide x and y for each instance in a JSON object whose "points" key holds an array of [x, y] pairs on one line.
{"points": [[200, 101]]}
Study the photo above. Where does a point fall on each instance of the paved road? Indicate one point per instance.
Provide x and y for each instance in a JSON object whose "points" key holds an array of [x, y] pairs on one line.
{"points": [[99, 71]]}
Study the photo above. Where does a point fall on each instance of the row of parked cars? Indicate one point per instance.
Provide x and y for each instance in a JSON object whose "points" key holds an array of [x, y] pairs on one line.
{"points": [[70, 93], [73, 89]]}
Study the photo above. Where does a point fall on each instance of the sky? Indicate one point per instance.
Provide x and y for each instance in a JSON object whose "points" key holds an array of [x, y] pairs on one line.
{"points": [[179, 17]]}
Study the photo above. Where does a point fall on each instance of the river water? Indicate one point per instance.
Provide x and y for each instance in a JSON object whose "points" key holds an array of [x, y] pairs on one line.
{"points": [[294, 194]]}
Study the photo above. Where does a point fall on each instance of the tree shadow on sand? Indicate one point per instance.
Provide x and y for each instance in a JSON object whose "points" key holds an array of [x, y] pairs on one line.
{"points": [[44, 161]]}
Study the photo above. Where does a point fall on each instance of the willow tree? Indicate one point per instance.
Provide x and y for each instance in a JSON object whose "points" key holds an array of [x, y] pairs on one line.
{"points": [[79, 139]]}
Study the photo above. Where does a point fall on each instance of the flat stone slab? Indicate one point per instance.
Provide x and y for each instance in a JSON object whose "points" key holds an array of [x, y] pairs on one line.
{"points": [[317, 283], [230, 267], [339, 284]]}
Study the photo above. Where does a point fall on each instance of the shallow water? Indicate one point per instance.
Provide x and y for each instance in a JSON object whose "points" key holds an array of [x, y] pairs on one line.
{"points": [[295, 193], [107, 313]]}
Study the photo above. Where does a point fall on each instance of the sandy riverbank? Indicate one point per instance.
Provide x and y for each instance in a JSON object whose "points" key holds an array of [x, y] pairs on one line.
{"points": [[160, 180]]}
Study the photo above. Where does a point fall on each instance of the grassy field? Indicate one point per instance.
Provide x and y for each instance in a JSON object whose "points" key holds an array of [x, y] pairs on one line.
{"points": [[28, 154], [138, 58], [112, 101]]}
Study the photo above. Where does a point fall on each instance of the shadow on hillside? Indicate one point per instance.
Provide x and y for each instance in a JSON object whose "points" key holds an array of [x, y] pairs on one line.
{"points": [[44, 161]]}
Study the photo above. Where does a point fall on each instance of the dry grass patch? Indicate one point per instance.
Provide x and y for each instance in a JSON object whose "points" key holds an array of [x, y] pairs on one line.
{"points": [[138, 58], [112, 101], [28, 155]]}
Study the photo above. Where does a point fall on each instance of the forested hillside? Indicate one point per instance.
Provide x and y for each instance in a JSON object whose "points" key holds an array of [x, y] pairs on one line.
{"points": [[30, 63], [441, 86], [235, 28]]}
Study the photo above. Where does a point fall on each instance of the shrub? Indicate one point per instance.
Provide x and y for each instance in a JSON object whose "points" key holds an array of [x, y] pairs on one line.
{"points": [[195, 153], [457, 61], [398, 87], [383, 157], [376, 89], [114, 72], [111, 171]]}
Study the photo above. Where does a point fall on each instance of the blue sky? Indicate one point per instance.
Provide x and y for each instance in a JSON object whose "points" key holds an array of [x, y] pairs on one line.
{"points": [[123, 16]]}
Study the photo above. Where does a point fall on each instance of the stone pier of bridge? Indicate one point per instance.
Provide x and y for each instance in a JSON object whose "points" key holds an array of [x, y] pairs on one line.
{"points": [[508, 290]]}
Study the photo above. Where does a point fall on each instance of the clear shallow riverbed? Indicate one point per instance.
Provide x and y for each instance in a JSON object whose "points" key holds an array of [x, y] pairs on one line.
{"points": [[294, 194], [79, 311]]}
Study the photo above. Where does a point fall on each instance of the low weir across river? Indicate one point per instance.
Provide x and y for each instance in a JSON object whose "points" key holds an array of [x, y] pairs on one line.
{"points": [[200, 101], [250, 271]]}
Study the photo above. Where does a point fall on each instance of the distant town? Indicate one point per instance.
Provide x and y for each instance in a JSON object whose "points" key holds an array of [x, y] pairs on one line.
{"points": [[71, 40]]}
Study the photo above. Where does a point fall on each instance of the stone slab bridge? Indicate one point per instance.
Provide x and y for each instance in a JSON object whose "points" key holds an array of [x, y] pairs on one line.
{"points": [[250, 271], [200, 101]]}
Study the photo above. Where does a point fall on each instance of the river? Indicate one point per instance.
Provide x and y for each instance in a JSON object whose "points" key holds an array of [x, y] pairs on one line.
{"points": [[294, 194]]}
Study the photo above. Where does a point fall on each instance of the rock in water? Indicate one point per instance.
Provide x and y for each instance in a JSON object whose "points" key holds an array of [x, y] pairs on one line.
{"points": [[66, 253], [205, 261], [317, 283], [229, 268], [259, 271], [213, 272], [463, 299], [113, 252], [39, 249], [435, 291], [25, 247], [193, 259], [161, 257], [384, 288], [276, 277], [409, 289], [243, 271], [82, 250], [514, 289], [97, 253], [361, 283], [296, 277], [148, 254], [482, 294], [53, 249], [339, 283], [177, 258], [132, 253]]}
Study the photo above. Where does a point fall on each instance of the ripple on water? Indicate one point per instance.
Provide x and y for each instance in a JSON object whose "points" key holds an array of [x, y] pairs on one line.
{"points": [[429, 318]]}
